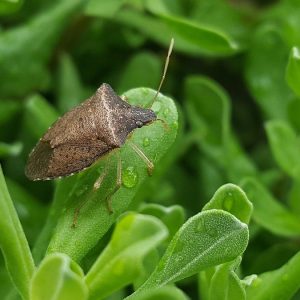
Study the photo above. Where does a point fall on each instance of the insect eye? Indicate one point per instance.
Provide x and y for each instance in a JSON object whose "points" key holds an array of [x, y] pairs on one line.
{"points": [[139, 124]]}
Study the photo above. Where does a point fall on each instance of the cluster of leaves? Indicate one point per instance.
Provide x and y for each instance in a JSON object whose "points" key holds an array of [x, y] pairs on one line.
{"points": [[241, 57]]}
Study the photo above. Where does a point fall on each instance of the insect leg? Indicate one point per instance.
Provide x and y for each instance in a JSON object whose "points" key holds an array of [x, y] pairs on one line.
{"points": [[117, 186], [97, 185], [143, 156], [99, 181]]}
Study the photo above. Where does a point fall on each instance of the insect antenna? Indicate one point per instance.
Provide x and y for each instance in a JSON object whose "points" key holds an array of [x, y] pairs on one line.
{"points": [[165, 71]]}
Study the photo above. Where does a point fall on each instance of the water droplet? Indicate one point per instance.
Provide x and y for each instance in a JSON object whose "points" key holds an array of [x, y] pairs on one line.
{"points": [[175, 124], [130, 177], [228, 203], [146, 142], [166, 112], [156, 107]]}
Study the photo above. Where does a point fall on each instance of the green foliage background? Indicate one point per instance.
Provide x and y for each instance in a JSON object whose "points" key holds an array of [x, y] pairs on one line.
{"points": [[219, 218]]}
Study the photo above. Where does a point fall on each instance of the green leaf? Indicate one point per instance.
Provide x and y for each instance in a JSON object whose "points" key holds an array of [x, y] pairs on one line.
{"points": [[211, 176], [94, 219], [207, 239], [281, 284], [193, 24], [165, 293], [6, 285], [103, 8], [31, 212], [208, 109], [121, 261], [292, 74], [294, 196], [135, 75], [204, 280], [293, 113], [231, 198], [268, 212], [236, 289], [150, 262], [39, 115], [10, 149], [63, 188], [70, 90], [10, 7], [29, 71], [222, 282], [157, 30], [58, 278], [265, 71], [208, 40], [285, 146], [13, 243], [8, 109], [225, 284], [273, 257], [173, 216], [286, 15]]}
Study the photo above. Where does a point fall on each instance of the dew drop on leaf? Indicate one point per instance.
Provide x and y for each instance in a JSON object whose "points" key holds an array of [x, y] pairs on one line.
{"points": [[175, 125], [146, 142], [228, 203], [166, 112], [130, 177]]}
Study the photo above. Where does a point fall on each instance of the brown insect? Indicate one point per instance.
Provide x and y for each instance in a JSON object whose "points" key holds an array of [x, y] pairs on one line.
{"points": [[85, 133], [88, 132]]}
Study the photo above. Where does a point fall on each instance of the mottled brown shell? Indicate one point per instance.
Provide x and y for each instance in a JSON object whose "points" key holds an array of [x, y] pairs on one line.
{"points": [[85, 133]]}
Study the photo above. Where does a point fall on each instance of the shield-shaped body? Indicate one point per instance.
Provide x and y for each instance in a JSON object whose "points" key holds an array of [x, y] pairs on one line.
{"points": [[84, 134]]}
